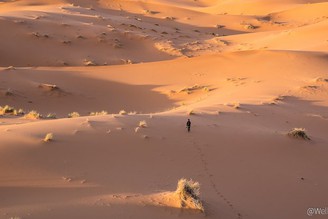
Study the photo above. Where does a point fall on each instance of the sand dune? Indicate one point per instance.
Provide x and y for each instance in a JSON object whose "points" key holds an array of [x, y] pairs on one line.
{"points": [[95, 95]]}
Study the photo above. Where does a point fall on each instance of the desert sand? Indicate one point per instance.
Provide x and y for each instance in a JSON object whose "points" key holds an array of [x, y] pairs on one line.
{"points": [[244, 72]]}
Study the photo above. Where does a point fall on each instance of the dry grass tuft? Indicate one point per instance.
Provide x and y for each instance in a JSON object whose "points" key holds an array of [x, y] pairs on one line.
{"points": [[33, 115], [321, 79], [73, 115], [89, 63], [10, 68], [123, 112], [132, 113], [51, 116], [101, 113], [191, 112], [150, 12], [19, 112], [6, 110], [50, 87], [49, 137], [193, 88], [10, 111], [127, 61], [236, 105], [298, 133], [250, 27], [188, 192], [143, 124], [8, 92], [278, 98]]}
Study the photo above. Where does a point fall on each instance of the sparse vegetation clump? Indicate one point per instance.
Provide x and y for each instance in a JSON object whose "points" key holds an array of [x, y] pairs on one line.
{"points": [[122, 112], [188, 193], [8, 92], [33, 115], [191, 112], [8, 110], [170, 18], [51, 116], [150, 12], [89, 62], [298, 133], [132, 113], [18, 112], [73, 115], [49, 137], [278, 98], [10, 68], [236, 105], [127, 61], [50, 87], [321, 79], [219, 26], [195, 87], [101, 113], [249, 27], [206, 89], [143, 124]]}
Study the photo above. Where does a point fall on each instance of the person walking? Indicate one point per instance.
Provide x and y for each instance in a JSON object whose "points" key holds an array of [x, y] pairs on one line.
{"points": [[188, 125]]}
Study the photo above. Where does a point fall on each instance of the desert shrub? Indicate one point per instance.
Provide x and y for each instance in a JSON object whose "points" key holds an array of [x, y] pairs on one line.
{"points": [[51, 116], [73, 115], [101, 113], [321, 79], [191, 112], [206, 89], [132, 113], [48, 137], [236, 105], [6, 110], [195, 87], [298, 133], [10, 111], [188, 193], [143, 124], [249, 27], [33, 115], [122, 112], [9, 92], [19, 112], [10, 68], [50, 87], [89, 63]]}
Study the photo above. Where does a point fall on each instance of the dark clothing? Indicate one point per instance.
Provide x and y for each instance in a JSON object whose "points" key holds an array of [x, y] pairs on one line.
{"points": [[188, 125]]}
